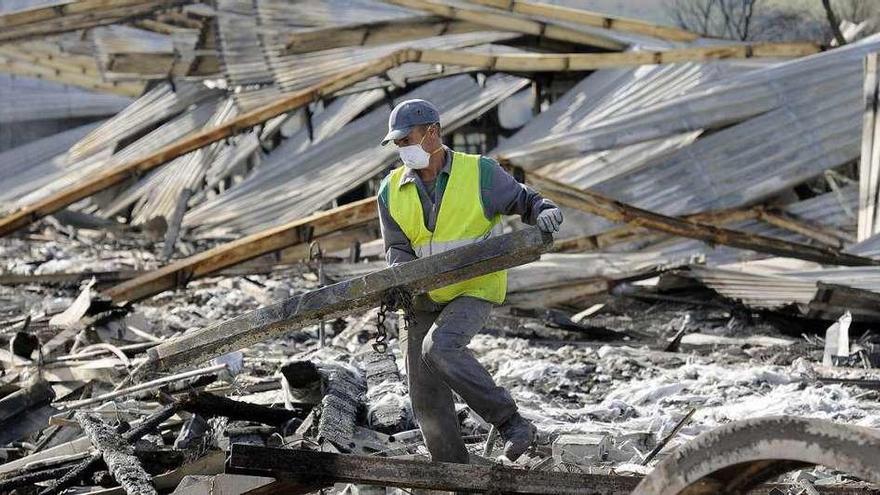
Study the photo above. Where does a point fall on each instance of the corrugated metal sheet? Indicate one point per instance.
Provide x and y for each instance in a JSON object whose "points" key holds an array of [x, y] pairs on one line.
{"points": [[758, 291], [26, 100], [154, 107], [727, 101], [290, 185]]}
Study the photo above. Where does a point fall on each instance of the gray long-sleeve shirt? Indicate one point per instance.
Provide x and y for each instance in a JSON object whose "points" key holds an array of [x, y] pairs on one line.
{"points": [[501, 194]]}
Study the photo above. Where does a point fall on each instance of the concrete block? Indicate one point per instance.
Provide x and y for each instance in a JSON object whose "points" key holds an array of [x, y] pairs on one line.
{"points": [[581, 448]]}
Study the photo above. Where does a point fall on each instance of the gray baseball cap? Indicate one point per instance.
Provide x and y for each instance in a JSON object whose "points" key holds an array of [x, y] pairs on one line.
{"points": [[408, 114]]}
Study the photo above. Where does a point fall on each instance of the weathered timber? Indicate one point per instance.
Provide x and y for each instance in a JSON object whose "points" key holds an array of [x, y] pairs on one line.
{"points": [[71, 16], [505, 21], [374, 33], [210, 405], [194, 141], [588, 18], [295, 465], [345, 297], [617, 211], [300, 231], [633, 231], [809, 230], [831, 300], [68, 278], [557, 62]]}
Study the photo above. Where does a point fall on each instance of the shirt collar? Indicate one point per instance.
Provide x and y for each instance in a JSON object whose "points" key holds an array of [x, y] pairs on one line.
{"points": [[410, 175]]}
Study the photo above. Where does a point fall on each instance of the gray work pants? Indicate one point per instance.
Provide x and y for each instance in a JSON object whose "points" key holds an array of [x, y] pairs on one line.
{"points": [[438, 362]]}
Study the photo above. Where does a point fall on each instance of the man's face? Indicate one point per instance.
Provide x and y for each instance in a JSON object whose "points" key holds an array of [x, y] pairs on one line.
{"points": [[415, 136]]}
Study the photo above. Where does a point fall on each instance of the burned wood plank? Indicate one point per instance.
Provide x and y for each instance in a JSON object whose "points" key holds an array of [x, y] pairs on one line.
{"points": [[115, 451], [210, 405], [68, 278], [342, 298], [831, 300], [344, 390], [295, 465], [617, 211], [301, 231]]}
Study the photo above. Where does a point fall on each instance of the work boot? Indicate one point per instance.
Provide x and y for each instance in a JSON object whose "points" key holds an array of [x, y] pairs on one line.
{"points": [[518, 434]]}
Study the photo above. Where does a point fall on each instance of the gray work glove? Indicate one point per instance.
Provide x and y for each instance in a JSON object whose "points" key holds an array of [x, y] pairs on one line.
{"points": [[549, 220]]}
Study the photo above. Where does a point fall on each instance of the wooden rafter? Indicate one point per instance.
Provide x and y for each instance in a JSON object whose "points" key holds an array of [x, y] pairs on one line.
{"points": [[559, 62], [375, 33], [506, 21], [267, 241], [592, 19], [617, 211], [74, 15], [45, 61]]}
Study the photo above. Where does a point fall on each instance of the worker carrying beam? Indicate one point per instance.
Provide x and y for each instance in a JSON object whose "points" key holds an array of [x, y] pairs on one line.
{"points": [[438, 200]]}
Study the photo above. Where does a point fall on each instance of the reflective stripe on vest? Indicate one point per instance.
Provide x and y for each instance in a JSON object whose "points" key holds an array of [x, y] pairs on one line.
{"points": [[460, 222]]}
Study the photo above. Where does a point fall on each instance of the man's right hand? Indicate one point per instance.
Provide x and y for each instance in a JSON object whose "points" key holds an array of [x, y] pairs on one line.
{"points": [[549, 220]]}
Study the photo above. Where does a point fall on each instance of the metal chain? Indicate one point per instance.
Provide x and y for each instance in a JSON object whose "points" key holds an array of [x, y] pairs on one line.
{"points": [[393, 299]]}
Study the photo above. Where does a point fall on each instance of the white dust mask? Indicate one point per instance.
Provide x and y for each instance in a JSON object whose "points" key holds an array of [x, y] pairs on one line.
{"points": [[414, 156]]}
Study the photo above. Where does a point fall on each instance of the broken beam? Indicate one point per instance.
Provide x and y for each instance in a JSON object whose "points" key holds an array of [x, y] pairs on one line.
{"points": [[213, 260], [293, 465], [617, 211], [332, 301]]}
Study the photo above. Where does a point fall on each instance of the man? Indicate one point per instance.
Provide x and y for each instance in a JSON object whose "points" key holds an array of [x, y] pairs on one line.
{"points": [[441, 199]]}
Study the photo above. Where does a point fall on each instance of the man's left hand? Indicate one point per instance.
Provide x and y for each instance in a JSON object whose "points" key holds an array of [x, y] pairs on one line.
{"points": [[549, 220]]}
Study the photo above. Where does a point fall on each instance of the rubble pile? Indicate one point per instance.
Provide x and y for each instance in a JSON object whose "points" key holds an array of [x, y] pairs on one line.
{"points": [[605, 391]]}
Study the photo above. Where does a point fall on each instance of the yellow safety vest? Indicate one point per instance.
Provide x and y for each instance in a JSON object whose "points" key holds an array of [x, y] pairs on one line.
{"points": [[460, 222]]}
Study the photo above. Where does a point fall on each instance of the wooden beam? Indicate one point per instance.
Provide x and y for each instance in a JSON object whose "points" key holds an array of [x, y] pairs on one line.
{"points": [[375, 33], [332, 301], [10, 65], [317, 467], [75, 15], [300, 231], [617, 211], [558, 62], [818, 233], [592, 19], [138, 166], [634, 230], [505, 21]]}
